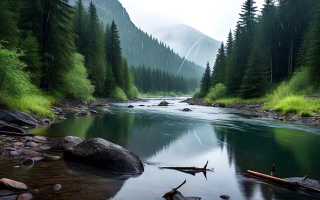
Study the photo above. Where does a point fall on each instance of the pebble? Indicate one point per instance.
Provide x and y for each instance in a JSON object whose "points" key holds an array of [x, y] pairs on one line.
{"points": [[25, 196], [32, 144], [57, 187], [12, 185], [18, 144]]}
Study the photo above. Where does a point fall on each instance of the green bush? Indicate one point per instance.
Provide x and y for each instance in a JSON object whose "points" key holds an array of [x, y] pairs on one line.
{"points": [[218, 92], [75, 82], [118, 94], [306, 113], [132, 92]]}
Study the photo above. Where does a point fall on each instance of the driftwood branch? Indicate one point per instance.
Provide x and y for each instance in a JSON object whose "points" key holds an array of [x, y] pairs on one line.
{"points": [[174, 190], [187, 168], [283, 181]]}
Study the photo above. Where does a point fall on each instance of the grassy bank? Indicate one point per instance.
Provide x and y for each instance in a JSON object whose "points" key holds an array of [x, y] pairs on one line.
{"points": [[287, 98]]}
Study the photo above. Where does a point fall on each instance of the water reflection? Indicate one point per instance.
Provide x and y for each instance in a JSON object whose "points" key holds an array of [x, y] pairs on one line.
{"points": [[231, 142]]}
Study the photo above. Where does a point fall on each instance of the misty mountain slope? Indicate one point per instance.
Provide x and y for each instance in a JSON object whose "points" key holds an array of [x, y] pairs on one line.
{"points": [[181, 38], [139, 47]]}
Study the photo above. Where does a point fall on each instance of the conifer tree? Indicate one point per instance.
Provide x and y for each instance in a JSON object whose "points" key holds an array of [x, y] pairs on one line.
{"points": [[9, 32], [114, 54], [219, 70], [81, 27], [229, 45], [206, 81]]}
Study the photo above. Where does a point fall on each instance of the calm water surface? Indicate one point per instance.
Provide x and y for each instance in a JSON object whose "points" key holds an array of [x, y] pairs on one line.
{"points": [[164, 136]]}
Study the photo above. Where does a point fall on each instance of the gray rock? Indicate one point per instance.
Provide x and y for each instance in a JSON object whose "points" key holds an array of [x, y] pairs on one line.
{"points": [[17, 117], [41, 138], [224, 197], [102, 153], [13, 129], [163, 103], [61, 118], [187, 110], [57, 187], [32, 144], [2, 123], [94, 112], [25, 196], [67, 142], [130, 106], [45, 121], [15, 153], [29, 153], [81, 113], [12, 185], [179, 196]]}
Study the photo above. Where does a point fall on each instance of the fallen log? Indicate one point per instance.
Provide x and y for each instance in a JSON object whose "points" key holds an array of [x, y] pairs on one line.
{"points": [[284, 182], [173, 191]]}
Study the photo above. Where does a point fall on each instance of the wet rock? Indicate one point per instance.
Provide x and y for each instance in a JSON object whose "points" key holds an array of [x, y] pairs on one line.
{"points": [[26, 161], [179, 196], [130, 106], [61, 118], [45, 121], [98, 104], [25, 196], [41, 138], [13, 129], [17, 117], [81, 113], [2, 123], [29, 153], [51, 158], [186, 110], [141, 105], [36, 159], [32, 144], [57, 109], [15, 153], [163, 103], [57, 187], [67, 142], [12, 185], [224, 197], [102, 153], [94, 112], [18, 144]]}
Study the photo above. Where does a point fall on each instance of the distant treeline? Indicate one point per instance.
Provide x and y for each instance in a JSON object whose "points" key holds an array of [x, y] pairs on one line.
{"points": [[153, 81], [267, 48]]}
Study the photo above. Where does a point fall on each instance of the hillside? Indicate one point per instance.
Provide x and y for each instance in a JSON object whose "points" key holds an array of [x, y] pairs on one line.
{"points": [[139, 47], [181, 38]]}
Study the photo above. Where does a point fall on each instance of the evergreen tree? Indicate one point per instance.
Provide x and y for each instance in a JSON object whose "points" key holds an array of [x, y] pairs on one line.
{"points": [[229, 45], [205, 82], [81, 27], [30, 56], [114, 54], [9, 32], [95, 52], [219, 70]]}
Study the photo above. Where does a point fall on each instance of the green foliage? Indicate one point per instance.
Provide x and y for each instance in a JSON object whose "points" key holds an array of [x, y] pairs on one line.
{"points": [[306, 113], [218, 92], [118, 94], [297, 104], [1, 144], [13, 81], [30, 56], [9, 32], [76, 82]]}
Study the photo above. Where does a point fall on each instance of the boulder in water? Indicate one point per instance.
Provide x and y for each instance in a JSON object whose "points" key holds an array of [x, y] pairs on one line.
{"points": [[130, 106], [102, 153], [81, 113], [187, 110], [163, 103], [67, 142]]}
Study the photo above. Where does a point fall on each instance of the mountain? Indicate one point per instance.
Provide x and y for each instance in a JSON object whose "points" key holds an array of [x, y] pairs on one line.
{"points": [[139, 47], [181, 38]]}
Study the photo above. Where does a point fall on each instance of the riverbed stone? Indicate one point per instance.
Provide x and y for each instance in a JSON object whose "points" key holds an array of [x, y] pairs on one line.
{"points": [[81, 113], [67, 142], [94, 112], [12, 185], [187, 110], [17, 117], [25, 196], [163, 103], [105, 154], [57, 187], [13, 129], [32, 144]]}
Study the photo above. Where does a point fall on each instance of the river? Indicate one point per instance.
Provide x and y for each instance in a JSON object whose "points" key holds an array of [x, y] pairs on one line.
{"points": [[232, 142]]}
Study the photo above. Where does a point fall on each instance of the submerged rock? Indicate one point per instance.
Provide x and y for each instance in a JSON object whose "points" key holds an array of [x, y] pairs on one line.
{"points": [[81, 113], [12, 185], [179, 196], [130, 106], [57, 187], [67, 142], [102, 153], [17, 117], [94, 112], [163, 103], [224, 197]]}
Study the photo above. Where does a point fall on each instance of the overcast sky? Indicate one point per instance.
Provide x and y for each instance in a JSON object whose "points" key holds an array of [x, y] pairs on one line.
{"points": [[212, 17]]}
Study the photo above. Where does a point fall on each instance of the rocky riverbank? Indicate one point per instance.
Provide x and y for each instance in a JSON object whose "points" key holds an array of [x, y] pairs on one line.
{"points": [[255, 109]]}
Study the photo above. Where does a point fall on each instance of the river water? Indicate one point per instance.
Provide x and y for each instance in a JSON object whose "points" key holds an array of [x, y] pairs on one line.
{"points": [[232, 142]]}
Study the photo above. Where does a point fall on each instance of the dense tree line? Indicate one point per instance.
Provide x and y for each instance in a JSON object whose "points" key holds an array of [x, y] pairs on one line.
{"points": [[155, 81], [264, 48], [139, 47]]}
